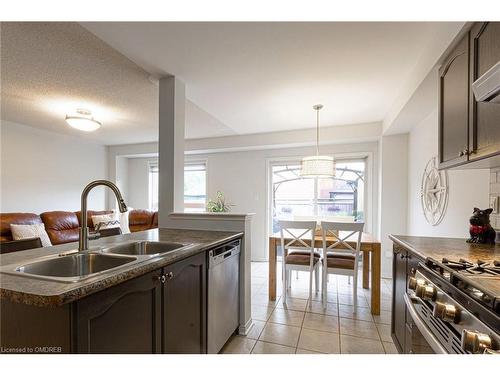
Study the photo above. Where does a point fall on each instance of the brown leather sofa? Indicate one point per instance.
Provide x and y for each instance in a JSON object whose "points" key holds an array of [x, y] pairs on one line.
{"points": [[15, 218], [63, 226]]}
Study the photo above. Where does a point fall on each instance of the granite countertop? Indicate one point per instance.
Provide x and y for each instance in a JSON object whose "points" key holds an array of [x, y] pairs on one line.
{"points": [[42, 292], [451, 248]]}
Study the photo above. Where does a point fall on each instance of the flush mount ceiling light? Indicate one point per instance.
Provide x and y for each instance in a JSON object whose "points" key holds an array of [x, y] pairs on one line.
{"points": [[318, 165], [83, 120]]}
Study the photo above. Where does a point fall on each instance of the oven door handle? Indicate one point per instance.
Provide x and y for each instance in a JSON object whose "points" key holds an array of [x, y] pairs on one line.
{"points": [[422, 327]]}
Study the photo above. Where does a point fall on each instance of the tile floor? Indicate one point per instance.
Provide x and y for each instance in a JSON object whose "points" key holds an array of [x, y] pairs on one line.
{"points": [[306, 328]]}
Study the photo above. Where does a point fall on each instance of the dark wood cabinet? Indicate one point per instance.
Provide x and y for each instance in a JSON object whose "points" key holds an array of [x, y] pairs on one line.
{"points": [[123, 319], [184, 306], [454, 106], [161, 312], [404, 265], [398, 304], [484, 133], [469, 130]]}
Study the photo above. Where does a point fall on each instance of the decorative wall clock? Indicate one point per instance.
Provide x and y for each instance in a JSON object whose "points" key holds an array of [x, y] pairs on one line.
{"points": [[434, 192]]}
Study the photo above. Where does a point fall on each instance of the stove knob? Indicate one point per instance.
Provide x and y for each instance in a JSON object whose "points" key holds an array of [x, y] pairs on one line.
{"points": [[413, 282], [426, 292], [475, 342], [446, 312]]}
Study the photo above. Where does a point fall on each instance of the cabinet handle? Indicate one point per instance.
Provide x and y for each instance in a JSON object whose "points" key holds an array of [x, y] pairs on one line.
{"points": [[162, 279], [402, 256], [170, 275]]}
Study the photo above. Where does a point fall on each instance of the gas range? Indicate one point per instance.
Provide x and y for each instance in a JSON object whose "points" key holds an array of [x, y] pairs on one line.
{"points": [[456, 305]]}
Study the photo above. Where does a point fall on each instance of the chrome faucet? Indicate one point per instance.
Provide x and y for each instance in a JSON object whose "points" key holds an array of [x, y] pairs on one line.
{"points": [[83, 243]]}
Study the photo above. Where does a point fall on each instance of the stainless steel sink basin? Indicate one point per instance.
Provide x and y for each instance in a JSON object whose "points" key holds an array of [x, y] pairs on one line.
{"points": [[74, 267], [143, 248]]}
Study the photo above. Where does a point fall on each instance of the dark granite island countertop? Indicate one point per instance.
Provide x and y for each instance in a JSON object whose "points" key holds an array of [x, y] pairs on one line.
{"points": [[451, 248], [42, 292]]}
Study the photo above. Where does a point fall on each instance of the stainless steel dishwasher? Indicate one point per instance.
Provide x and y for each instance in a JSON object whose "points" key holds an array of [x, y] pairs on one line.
{"points": [[223, 294]]}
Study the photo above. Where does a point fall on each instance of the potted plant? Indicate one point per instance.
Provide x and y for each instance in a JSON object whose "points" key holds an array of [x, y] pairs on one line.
{"points": [[219, 204]]}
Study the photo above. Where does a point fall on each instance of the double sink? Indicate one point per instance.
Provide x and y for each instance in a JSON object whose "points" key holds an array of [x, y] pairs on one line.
{"points": [[76, 266]]}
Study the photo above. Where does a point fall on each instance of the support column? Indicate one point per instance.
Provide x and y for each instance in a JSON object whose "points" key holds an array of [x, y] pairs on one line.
{"points": [[172, 101]]}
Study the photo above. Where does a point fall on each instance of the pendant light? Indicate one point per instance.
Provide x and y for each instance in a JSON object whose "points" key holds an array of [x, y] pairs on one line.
{"points": [[318, 165]]}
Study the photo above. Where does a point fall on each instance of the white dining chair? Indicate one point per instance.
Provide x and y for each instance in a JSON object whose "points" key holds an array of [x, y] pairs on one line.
{"points": [[298, 252], [341, 260]]}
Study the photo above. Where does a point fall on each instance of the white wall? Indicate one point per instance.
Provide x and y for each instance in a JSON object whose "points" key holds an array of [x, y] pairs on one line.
{"points": [[393, 193], [468, 188], [45, 171], [138, 182], [242, 176]]}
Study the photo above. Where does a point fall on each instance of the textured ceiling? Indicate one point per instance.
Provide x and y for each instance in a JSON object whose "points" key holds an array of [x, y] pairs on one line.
{"points": [[50, 69], [261, 77]]}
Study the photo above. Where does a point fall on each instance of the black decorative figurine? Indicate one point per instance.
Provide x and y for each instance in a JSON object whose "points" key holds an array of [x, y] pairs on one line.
{"points": [[480, 228]]}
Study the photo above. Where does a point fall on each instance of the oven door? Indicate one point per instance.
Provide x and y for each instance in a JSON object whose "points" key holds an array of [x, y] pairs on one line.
{"points": [[419, 338]]}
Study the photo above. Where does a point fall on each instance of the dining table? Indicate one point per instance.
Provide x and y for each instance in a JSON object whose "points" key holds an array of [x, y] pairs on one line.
{"points": [[369, 247]]}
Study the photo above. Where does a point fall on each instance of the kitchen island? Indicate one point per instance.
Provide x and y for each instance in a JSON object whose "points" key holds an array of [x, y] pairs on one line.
{"points": [[157, 305]]}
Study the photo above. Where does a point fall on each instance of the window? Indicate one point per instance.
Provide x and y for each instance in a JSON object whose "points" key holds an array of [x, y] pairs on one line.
{"points": [[341, 196], [195, 187], [153, 185]]}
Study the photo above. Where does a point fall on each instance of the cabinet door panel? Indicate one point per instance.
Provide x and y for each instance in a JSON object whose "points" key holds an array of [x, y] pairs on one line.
{"points": [[453, 106], [484, 117], [399, 289], [184, 308], [122, 319]]}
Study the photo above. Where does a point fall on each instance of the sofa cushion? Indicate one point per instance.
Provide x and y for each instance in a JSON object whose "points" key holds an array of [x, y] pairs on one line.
{"points": [[61, 226], [155, 220], [6, 219]]}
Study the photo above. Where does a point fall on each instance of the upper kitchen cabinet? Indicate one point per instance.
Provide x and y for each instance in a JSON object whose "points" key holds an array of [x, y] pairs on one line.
{"points": [[469, 130], [454, 106], [484, 135]]}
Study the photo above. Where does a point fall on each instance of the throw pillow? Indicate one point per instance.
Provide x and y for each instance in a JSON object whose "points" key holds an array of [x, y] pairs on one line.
{"points": [[106, 221], [23, 231], [124, 223]]}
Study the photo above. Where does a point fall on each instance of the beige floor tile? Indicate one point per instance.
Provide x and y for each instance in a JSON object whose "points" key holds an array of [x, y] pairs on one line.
{"points": [[348, 299], [305, 351], [390, 348], [261, 312], [358, 328], [280, 334], [317, 308], [289, 317], [296, 304], [384, 331], [359, 313], [263, 300], [258, 326], [357, 345], [238, 345], [386, 304], [383, 318], [262, 347], [321, 322], [324, 342]]}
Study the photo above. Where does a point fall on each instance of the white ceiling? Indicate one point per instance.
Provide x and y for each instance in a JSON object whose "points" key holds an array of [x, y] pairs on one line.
{"points": [[261, 77], [50, 69], [241, 78]]}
